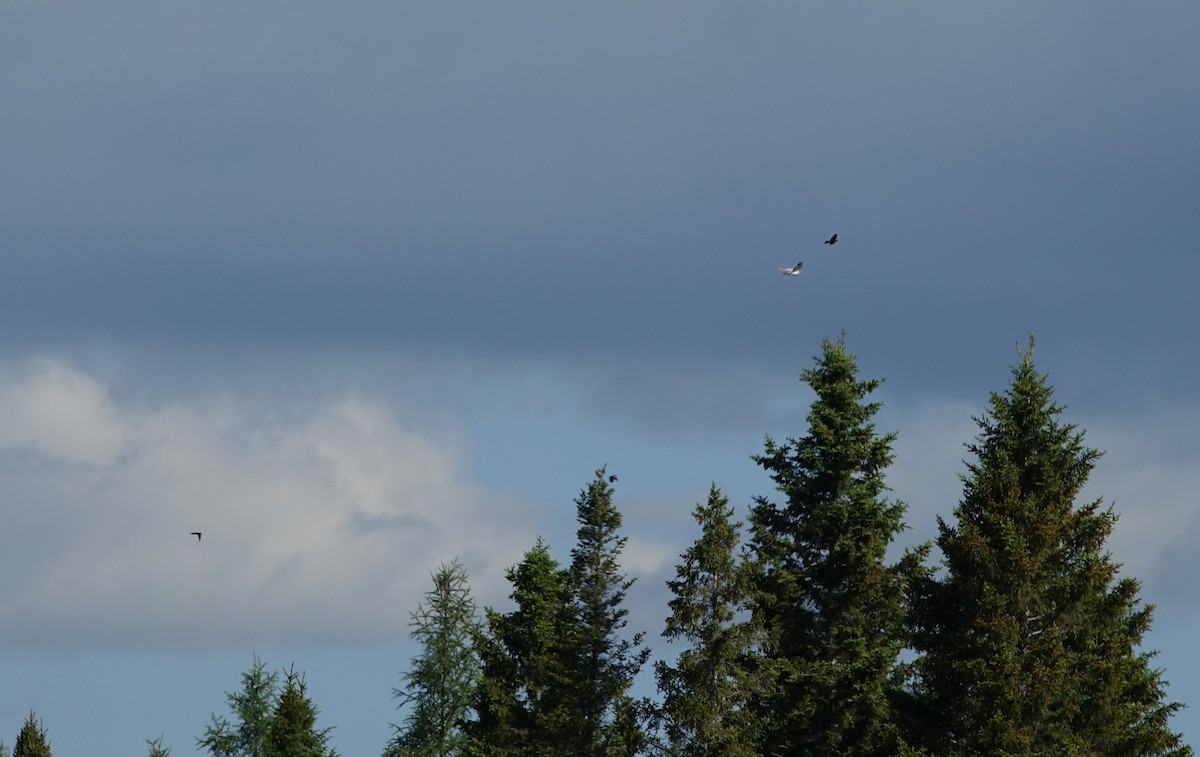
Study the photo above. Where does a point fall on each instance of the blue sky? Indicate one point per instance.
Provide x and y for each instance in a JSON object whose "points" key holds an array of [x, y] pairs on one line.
{"points": [[356, 288]]}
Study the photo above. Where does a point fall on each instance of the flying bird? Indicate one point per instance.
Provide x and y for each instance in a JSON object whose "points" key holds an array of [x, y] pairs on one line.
{"points": [[196, 534], [793, 271], [612, 479], [831, 240]]}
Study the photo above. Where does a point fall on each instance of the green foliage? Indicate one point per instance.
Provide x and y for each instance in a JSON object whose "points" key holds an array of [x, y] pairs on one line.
{"points": [[442, 679], [291, 731], [556, 671], [252, 708], [271, 721], [520, 699], [704, 693], [157, 749], [32, 740], [831, 610], [598, 659], [1030, 639]]}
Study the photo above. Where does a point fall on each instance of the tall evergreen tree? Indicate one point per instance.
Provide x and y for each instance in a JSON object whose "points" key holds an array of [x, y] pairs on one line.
{"points": [[292, 730], [556, 670], [520, 702], [831, 609], [442, 677], [704, 693], [32, 740], [600, 661], [1029, 638], [252, 707]]}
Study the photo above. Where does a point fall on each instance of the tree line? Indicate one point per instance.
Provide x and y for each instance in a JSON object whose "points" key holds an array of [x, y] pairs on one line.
{"points": [[797, 634]]}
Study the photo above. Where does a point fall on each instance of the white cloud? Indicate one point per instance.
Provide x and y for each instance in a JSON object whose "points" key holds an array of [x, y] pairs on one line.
{"points": [[320, 521], [60, 413], [1148, 474], [645, 556], [929, 453]]}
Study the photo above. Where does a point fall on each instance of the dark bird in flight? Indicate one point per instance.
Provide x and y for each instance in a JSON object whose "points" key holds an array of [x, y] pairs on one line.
{"points": [[793, 271], [196, 534], [831, 240], [612, 479]]}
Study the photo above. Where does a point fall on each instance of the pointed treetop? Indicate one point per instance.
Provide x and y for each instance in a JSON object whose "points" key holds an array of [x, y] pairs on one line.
{"points": [[32, 740]]}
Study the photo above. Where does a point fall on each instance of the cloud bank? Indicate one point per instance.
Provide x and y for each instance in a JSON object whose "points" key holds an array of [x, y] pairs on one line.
{"points": [[322, 522]]}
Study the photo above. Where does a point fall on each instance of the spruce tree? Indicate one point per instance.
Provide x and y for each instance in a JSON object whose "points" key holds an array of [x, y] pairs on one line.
{"points": [[292, 730], [520, 701], [157, 749], [1030, 639], [831, 609], [602, 663], [32, 740], [442, 677], [252, 707], [703, 706], [556, 670]]}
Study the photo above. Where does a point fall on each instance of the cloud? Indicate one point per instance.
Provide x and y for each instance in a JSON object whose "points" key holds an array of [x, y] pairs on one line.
{"points": [[1148, 474], [322, 521], [929, 452], [59, 413]]}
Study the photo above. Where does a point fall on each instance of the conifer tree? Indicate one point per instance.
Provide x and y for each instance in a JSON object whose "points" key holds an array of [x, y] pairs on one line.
{"points": [[704, 693], [599, 660], [519, 702], [556, 671], [1030, 639], [32, 740], [443, 676], [830, 608], [252, 707], [292, 730]]}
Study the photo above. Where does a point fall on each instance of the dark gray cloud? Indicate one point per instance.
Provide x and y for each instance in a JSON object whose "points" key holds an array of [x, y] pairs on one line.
{"points": [[616, 184]]}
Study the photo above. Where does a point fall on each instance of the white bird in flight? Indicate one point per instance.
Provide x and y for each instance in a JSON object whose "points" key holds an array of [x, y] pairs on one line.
{"points": [[793, 271]]}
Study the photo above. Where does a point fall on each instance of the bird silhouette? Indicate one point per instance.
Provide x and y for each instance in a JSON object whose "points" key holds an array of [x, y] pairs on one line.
{"points": [[793, 271], [831, 240], [612, 479], [196, 534]]}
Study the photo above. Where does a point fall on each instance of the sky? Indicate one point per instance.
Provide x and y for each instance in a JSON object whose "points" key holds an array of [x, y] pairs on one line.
{"points": [[356, 289]]}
